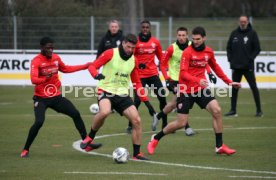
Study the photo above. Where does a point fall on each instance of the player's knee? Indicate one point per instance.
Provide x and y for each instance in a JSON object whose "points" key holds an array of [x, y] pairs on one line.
{"points": [[75, 114], [182, 124], [171, 105], [38, 124], [136, 121], [216, 111], [105, 112]]}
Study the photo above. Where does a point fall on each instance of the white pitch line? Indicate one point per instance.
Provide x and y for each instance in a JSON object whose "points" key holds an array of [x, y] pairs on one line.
{"points": [[117, 173], [76, 145], [255, 177]]}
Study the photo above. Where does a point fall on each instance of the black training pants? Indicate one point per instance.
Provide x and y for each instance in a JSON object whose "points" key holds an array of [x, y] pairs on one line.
{"points": [[159, 91], [59, 104], [251, 79]]}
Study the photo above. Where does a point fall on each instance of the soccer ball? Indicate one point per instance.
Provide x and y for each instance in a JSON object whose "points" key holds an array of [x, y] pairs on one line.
{"points": [[120, 155], [94, 108]]}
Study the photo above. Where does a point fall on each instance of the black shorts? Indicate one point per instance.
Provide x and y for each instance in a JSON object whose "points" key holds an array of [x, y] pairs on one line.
{"points": [[186, 101], [118, 103]]}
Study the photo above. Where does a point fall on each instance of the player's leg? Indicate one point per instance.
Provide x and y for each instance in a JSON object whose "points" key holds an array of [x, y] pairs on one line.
{"points": [[132, 115], [65, 106], [98, 121], [236, 77], [251, 79], [137, 103], [166, 110], [214, 108], [160, 92], [184, 103], [39, 112], [125, 106]]}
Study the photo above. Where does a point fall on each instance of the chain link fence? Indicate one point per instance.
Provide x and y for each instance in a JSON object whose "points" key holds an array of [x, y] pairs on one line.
{"points": [[84, 33]]}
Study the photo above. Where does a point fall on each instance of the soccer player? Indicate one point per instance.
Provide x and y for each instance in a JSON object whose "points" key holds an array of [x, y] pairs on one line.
{"points": [[146, 49], [171, 59], [193, 89], [44, 75], [119, 68]]}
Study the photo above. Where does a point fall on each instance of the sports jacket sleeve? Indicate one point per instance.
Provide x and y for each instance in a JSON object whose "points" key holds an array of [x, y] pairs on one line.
{"points": [[229, 48], [164, 62], [100, 61], [217, 69], [159, 52], [69, 69], [256, 46], [137, 85], [35, 73], [208, 69]]}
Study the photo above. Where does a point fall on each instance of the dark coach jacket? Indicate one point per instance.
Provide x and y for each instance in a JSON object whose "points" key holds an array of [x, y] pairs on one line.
{"points": [[110, 41], [242, 48]]}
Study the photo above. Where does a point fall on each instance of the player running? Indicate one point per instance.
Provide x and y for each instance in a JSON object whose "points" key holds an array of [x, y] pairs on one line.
{"points": [[171, 59], [146, 49], [193, 89], [119, 68]]}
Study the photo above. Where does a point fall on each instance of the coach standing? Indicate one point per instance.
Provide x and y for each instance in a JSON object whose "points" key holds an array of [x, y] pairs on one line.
{"points": [[112, 38], [242, 48]]}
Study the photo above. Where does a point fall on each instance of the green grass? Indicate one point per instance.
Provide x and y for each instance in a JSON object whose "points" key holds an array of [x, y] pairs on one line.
{"points": [[52, 153]]}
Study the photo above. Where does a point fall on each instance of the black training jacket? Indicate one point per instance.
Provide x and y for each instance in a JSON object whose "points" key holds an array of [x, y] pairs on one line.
{"points": [[110, 41], [242, 48]]}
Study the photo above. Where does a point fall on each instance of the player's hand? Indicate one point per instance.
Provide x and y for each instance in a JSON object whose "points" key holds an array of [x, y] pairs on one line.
{"points": [[150, 108], [203, 82], [235, 85], [99, 76], [212, 78], [169, 85], [49, 75], [142, 66]]}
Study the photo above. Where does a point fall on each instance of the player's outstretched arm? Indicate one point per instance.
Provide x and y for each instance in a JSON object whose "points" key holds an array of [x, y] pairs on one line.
{"points": [[235, 85]]}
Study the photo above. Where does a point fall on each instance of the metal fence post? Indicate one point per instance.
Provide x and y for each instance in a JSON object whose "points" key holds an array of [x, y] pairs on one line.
{"points": [[92, 32], [14, 32], [170, 30]]}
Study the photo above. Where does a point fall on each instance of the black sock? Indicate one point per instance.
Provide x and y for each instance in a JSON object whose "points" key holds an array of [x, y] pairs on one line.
{"points": [[159, 135], [136, 150], [218, 140], [164, 121], [187, 126], [160, 115], [92, 133]]}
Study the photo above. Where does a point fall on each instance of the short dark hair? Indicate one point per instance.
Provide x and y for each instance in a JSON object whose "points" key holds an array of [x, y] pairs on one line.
{"points": [[145, 21], [199, 30], [46, 40], [131, 38], [182, 29]]}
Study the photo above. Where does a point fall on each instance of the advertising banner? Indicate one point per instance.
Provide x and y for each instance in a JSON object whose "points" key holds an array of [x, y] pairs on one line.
{"points": [[15, 70]]}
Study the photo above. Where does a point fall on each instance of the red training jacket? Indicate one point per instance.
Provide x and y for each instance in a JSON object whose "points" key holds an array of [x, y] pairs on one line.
{"points": [[145, 53], [165, 59], [41, 67], [192, 69]]}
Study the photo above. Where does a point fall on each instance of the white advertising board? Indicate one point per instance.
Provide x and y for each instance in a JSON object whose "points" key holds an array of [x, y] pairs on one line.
{"points": [[15, 70]]}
